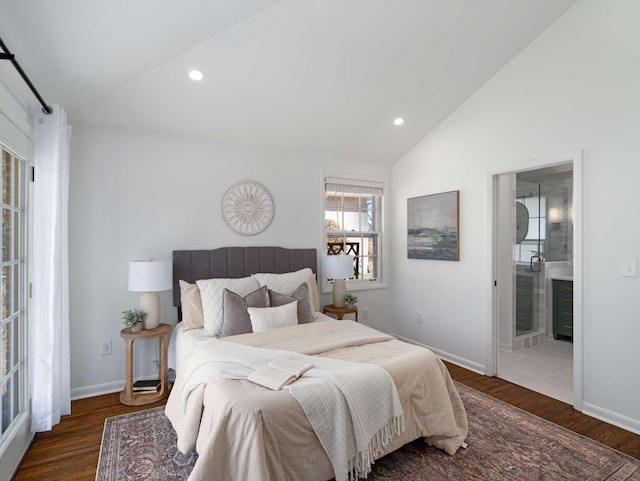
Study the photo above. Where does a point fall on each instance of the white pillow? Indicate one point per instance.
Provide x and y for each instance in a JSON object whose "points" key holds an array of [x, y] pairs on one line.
{"points": [[287, 283], [191, 304], [314, 293], [212, 293], [266, 318]]}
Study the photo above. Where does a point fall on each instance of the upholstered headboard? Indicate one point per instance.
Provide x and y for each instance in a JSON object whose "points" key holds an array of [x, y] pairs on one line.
{"points": [[237, 262]]}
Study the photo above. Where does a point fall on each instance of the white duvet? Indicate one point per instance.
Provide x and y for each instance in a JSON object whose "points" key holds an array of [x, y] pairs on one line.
{"points": [[243, 431]]}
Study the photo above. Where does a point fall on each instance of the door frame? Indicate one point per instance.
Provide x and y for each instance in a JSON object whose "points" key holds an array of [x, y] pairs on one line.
{"points": [[15, 140], [491, 341]]}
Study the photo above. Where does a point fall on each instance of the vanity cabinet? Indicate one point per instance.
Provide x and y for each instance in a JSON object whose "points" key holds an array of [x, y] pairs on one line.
{"points": [[524, 303], [562, 309]]}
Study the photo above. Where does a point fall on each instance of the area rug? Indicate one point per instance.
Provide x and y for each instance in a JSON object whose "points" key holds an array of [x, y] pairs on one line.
{"points": [[504, 443]]}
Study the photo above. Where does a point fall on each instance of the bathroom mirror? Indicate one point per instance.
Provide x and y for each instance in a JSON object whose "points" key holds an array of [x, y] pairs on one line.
{"points": [[522, 221]]}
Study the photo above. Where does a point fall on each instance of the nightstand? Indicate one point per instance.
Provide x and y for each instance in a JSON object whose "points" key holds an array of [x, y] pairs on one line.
{"points": [[339, 312], [127, 396]]}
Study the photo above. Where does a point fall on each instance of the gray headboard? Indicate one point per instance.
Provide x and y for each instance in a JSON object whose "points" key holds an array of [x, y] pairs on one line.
{"points": [[237, 262]]}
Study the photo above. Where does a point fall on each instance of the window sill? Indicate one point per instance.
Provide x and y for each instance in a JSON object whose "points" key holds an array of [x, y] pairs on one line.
{"points": [[360, 286]]}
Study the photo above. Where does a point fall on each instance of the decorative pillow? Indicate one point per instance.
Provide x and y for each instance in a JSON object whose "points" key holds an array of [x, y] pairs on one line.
{"points": [[191, 304], [286, 283], [211, 294], [301, 294], [314, 294], [235, 318], [266, 318]]}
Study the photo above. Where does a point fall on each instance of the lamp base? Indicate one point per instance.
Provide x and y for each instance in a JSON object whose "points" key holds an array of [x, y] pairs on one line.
{"points": [[339, 291], [150, 304]]}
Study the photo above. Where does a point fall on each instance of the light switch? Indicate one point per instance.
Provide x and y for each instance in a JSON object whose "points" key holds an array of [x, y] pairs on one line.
{"points": [[629, 268]]}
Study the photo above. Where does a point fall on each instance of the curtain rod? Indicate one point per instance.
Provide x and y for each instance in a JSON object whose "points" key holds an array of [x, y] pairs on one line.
{"points": [[7, 55]]}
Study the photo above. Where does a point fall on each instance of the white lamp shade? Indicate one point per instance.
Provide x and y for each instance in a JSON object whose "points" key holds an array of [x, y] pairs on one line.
{"points": [[150, 276], [338, 267]]}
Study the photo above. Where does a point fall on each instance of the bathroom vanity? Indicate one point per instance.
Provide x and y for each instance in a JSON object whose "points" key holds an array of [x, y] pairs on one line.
{"points": [[562, 308]]}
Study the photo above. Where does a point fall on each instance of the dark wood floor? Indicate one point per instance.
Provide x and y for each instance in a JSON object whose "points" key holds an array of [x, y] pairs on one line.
{"points": [[70, 451], [548, 408]]}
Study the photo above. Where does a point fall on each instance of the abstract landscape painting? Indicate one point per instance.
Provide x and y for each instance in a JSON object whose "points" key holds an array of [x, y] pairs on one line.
{"points": [[432, 227]]}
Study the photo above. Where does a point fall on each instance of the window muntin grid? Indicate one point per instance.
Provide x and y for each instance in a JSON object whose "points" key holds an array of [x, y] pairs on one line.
{"points": [[12, 293], [353, 224]]}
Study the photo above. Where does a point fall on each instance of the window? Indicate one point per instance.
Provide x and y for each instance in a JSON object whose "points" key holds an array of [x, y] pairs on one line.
{"points": [[12, 292], [533, 243], [353, 215]]}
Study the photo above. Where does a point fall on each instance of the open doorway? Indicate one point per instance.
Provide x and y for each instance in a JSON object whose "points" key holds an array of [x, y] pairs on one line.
{"points": [[534, 266]]}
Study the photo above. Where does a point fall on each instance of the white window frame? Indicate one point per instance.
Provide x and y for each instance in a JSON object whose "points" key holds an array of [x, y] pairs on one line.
{"points": [[358, 284], [15, 138]]}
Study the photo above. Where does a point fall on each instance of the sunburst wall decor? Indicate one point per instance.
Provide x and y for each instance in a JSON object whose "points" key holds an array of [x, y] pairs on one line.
{"points": [[247, 207]]}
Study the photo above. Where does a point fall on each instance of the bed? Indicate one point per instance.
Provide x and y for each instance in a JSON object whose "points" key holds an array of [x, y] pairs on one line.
{"points": [[228, 262], [243, 431]]}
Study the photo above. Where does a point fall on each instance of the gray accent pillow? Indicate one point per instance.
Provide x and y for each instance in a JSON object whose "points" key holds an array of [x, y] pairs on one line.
{"points": [[301, 294], [235, 318]]}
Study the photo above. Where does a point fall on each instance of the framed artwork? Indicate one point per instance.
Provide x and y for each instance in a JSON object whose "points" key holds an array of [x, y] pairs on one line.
{"points": [[433, 224]]}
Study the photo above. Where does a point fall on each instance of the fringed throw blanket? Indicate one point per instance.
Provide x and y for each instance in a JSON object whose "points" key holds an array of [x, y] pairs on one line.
{"points": [[353, 408], [360, 397]]}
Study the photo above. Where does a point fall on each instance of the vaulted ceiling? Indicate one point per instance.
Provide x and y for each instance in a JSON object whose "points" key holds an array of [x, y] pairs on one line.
{"points": [[323, 77]]}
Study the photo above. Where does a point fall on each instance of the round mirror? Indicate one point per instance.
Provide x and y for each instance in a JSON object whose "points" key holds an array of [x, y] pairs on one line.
{"points": [[522, 221]]}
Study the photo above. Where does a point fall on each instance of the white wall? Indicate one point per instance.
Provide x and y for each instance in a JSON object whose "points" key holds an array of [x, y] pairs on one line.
{"points": [[575, 87], [136, 195]]}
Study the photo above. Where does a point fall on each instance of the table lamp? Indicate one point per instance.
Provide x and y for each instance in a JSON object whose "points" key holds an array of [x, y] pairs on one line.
{"points": [[338, 268], [149, 278]]}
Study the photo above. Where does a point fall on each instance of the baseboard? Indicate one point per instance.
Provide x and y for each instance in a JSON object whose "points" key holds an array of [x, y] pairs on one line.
{"points": [[624, 422], [106, 388], [96, 390], [458, 361], [610, 417]]}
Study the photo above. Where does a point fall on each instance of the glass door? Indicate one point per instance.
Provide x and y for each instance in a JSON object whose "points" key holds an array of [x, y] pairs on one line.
{"points": [[528, 255], [13, 334]]}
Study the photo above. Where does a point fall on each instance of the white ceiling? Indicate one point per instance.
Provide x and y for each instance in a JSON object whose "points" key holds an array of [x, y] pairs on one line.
{"points": [[325, 77]]}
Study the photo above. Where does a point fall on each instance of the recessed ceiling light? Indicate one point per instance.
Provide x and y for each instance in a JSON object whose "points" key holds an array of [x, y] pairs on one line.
{"points": [[398, 121], [195, 75]]}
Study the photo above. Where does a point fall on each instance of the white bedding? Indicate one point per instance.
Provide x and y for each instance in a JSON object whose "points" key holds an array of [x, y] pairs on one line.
{"points": [[243, 431], [182, 341], [332, 393]]}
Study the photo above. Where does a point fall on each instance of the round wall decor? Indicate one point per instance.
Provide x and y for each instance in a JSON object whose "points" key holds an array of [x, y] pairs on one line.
{"points": [[247, 207]]}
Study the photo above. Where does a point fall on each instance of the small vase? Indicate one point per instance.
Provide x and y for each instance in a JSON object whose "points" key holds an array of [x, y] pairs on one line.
{"points": [[137, 327], [350, 305]]}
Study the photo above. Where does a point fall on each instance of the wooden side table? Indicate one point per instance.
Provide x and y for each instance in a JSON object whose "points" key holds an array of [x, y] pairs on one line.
{"points": [[127, 396], [339, 312]]}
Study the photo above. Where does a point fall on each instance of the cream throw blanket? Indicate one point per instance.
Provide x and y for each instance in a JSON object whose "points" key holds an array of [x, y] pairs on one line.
{"points": [[362, 398]]}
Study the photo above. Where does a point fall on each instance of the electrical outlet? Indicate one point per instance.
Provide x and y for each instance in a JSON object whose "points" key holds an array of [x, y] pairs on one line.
{"points": [[365, 313], [629, 268], [418, 317], [105, 348]]}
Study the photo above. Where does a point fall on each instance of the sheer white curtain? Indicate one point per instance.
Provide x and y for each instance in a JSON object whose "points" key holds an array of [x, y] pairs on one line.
{"points": [[49, 327]]}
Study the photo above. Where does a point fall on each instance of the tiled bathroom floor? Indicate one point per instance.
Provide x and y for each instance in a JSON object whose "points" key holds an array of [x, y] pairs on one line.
{"points": [[546, 368]]}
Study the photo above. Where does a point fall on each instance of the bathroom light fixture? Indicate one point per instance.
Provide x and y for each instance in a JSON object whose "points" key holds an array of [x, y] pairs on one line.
{"points": [[195, 75], [398, 121], [555, 215]]}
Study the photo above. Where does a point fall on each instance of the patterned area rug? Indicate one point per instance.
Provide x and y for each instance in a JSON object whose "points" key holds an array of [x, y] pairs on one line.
{"points": [[505, 443]]}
